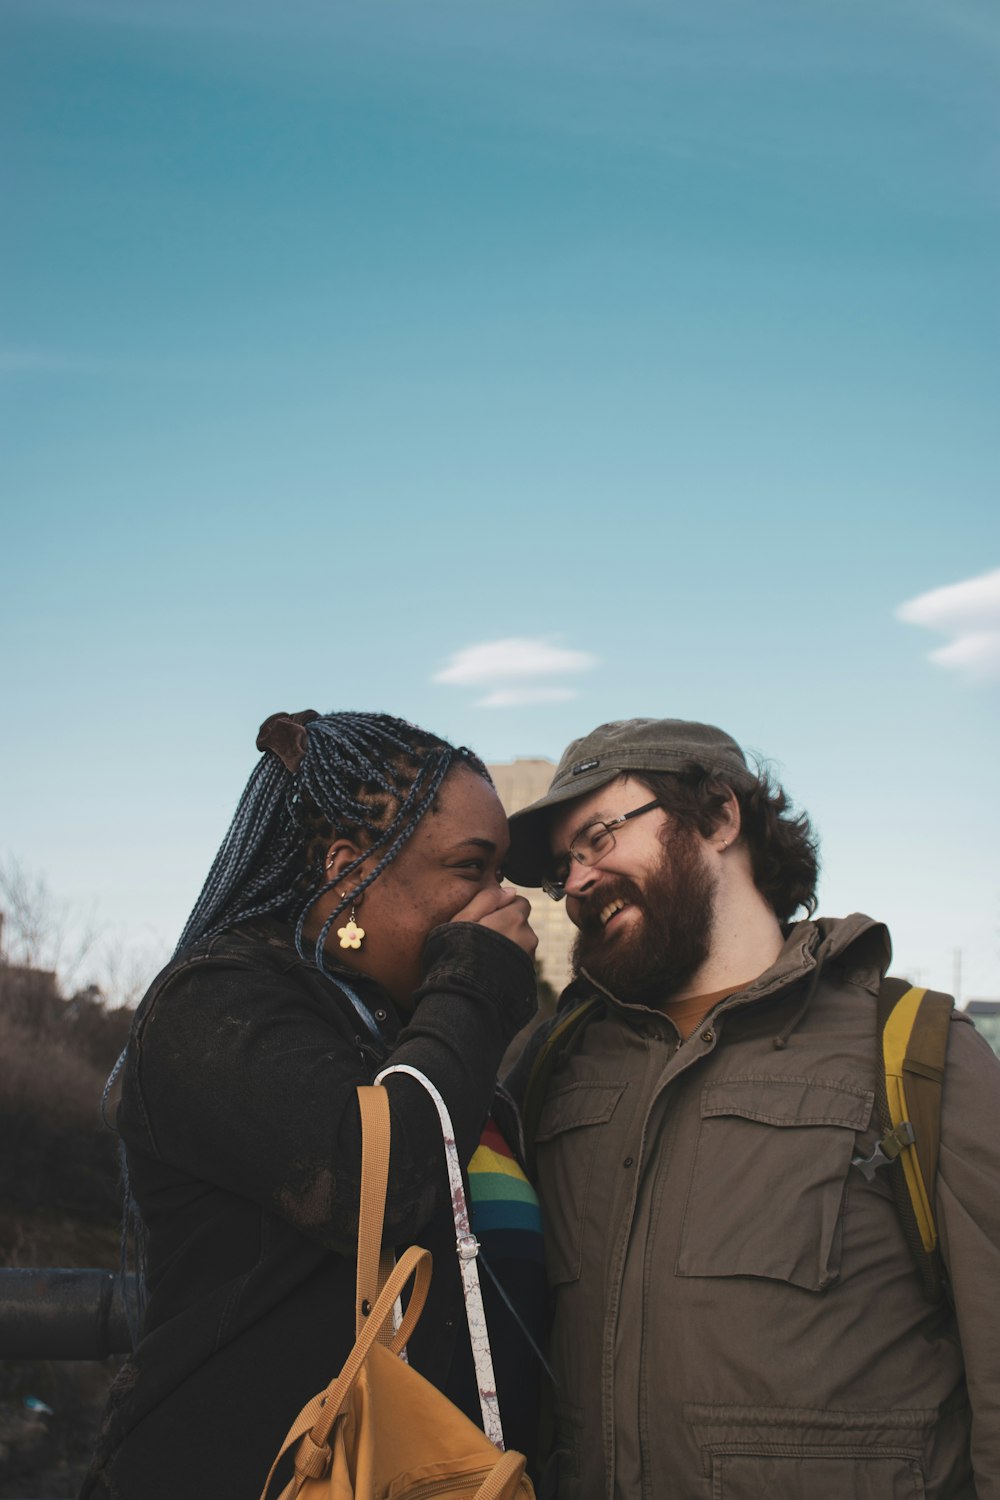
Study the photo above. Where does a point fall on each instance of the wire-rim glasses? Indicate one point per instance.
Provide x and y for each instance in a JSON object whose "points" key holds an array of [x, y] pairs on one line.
{"points": [[589, 847]]}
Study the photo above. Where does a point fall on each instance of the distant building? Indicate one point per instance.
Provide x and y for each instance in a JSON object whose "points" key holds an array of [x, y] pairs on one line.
{"points": [[986, 1015], [518, 783]]}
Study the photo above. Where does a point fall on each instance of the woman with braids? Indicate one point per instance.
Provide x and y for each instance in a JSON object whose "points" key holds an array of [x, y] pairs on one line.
{"points": [[353, 917]]}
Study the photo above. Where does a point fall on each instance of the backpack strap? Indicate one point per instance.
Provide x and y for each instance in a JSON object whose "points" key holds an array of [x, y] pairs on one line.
{"points": [[375, 1263], [549, 1053], [312, 1427], [467, 1250], [913, 1029]]}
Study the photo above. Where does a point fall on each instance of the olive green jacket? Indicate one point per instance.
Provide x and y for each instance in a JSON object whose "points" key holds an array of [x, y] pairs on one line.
{"points": [[736, 1311]]}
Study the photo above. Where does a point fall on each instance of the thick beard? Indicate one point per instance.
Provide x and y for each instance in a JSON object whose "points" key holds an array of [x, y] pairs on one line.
{"points": [[672, 938]]}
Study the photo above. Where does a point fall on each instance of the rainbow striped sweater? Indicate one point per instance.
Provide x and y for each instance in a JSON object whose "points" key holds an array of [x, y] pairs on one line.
{"points": [[505, 1215]]}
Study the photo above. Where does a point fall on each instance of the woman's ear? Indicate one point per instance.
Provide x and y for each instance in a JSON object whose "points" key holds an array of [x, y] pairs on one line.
{"points": [[338, 856]]}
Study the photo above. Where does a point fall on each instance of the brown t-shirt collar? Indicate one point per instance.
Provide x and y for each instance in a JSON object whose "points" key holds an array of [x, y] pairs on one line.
{"points": [[688, 1014]]}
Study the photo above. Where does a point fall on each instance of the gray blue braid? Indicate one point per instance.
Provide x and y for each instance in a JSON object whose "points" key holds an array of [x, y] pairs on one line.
{"points": [[369, 777]]}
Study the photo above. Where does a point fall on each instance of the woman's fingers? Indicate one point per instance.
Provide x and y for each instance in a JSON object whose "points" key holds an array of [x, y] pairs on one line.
{"points": [[485, 902], [512, 921], [502, 909]]}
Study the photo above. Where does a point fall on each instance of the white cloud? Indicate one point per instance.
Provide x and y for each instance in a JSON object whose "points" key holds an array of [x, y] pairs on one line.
{"points": [[969, 612], [516, 664], [516, 657], [515, 696]]}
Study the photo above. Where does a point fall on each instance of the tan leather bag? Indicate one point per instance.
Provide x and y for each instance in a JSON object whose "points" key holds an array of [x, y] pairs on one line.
{"points": [[380, 1431]]}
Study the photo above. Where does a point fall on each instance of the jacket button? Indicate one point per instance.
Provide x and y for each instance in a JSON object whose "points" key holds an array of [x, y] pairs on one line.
{"points": [[629, 1160], [708, 1037]]}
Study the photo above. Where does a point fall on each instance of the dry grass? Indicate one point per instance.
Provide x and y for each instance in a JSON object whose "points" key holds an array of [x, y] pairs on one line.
{"points": [[43, 1074]]}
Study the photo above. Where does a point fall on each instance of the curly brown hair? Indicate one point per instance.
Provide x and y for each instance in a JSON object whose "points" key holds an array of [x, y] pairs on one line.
{"points": [[784, 850]]}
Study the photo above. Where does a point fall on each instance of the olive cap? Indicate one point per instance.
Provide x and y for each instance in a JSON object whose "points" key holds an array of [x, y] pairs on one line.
{"points": [[613, 750]]}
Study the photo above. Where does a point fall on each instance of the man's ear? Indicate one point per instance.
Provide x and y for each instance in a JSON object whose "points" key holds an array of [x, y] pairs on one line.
{"points": [[729, 822]]}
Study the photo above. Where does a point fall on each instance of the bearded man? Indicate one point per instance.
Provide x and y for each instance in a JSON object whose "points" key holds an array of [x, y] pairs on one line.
{"points": [[737, 1312]]}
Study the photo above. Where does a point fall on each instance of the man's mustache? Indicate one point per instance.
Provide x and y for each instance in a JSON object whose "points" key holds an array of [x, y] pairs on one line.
{"points": [[590, 907]]}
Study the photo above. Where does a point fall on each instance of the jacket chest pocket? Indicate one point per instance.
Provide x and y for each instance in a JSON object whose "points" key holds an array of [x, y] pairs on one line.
{"points": [[575, 1146], [770, 1168], [803, 1477]]}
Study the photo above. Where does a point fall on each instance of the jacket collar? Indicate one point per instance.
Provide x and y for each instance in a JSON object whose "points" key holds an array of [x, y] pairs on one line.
{"points": [[858, 943], [280, 936]]}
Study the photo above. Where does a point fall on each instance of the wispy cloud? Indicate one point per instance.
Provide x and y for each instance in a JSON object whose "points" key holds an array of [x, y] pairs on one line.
{"points": [[517, 662], [968, 612], [517, 656]]}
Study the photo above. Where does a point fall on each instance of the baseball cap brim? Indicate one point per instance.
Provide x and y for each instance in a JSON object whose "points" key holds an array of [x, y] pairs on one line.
{"points": [[529, 856]]}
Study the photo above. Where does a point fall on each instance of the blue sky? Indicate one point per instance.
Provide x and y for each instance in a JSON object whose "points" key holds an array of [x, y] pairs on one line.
{"points": [[338, 340]]}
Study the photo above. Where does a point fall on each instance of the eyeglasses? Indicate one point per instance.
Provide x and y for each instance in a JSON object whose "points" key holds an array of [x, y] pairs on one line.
{"points": [[588, 848]]}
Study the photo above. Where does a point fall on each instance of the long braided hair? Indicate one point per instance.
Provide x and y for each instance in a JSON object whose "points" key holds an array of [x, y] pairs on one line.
{"points": [[363, 776], [367, 777]]}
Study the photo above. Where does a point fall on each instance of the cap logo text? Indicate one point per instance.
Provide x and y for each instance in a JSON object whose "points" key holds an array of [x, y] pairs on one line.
{"points": [[585, 765]]}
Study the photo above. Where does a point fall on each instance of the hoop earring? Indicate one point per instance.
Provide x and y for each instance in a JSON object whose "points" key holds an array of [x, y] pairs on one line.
{"points": [[351, 935]]}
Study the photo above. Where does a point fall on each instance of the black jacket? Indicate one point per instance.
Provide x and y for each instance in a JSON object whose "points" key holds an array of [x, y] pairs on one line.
{"points": [[240, 1122]]}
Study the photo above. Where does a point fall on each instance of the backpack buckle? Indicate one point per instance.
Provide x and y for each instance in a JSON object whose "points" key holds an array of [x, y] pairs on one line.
{"points": [[885, 1153]]}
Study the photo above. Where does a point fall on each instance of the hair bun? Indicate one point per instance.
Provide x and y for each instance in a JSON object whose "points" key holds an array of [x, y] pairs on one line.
{"points": [[285, 734]]}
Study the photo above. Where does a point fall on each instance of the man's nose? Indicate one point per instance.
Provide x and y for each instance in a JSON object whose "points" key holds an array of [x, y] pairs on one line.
{"points": [[580, 878]]}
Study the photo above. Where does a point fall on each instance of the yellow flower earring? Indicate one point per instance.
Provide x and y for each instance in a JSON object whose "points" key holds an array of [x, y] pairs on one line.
{"points": [[351, 935]]}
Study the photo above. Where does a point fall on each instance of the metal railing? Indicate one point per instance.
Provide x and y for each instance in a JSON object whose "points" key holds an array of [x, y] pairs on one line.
{"points": [[62, 1314]]}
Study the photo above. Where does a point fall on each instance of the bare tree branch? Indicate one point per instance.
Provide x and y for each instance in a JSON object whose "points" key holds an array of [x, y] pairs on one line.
{"points": [[125, 969], [42, 930]]}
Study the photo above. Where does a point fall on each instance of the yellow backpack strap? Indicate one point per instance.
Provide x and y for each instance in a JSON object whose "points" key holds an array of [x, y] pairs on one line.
{"points": [[563, 1031], [913, 1027]]}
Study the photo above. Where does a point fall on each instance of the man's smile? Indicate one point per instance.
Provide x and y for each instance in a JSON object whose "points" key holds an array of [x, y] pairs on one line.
{"points": [[604, 914], [611, 910]]}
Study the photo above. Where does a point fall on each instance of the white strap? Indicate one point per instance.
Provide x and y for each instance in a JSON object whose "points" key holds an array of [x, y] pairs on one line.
{"points": [[467, 1247]]}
